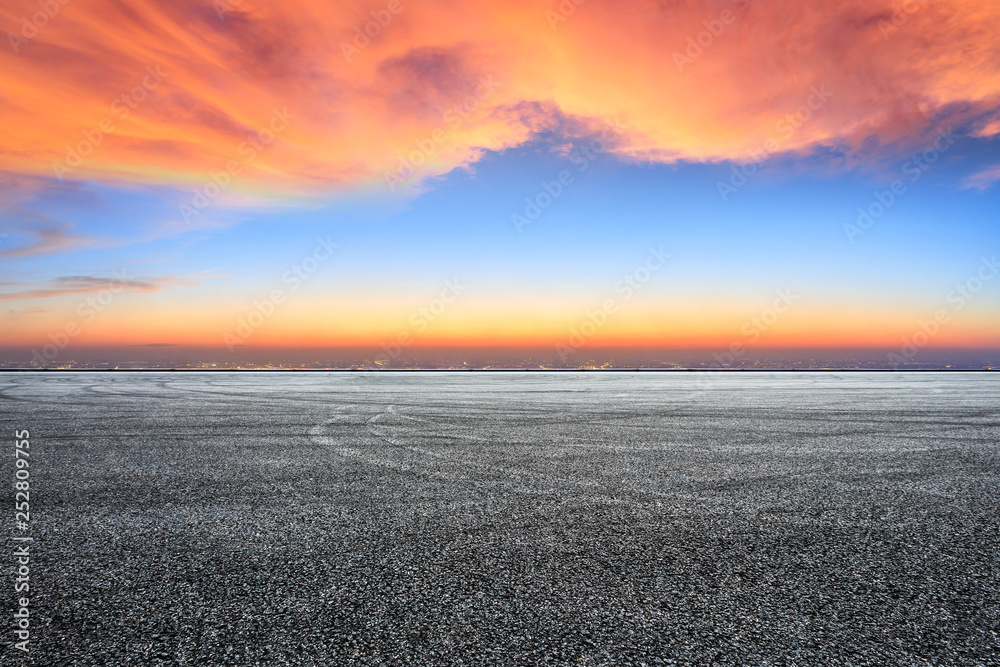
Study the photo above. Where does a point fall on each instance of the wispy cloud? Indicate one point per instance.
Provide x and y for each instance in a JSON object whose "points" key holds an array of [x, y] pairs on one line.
{"points": [[983, 179], [990, 129], [44, 238], [77, 285]]}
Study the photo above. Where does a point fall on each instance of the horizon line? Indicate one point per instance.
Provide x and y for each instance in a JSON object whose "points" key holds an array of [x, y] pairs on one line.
{"points": [[501, 370]]}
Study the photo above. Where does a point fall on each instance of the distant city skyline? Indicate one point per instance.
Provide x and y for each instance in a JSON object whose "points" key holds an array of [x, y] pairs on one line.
{"points": [[487, 359]]}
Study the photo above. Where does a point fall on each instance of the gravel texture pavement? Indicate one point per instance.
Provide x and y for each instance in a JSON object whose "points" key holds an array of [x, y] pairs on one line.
{"points": [[508, 519]]}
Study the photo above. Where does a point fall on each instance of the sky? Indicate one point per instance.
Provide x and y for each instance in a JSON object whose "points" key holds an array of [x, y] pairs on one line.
{"points": [[397, 176]]}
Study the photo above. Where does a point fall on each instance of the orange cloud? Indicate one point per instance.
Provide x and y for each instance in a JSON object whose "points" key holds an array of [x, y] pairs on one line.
{"points": [[186, 93]]}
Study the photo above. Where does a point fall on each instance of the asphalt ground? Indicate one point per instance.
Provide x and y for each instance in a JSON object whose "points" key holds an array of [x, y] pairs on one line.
{"points": [[507, 519]]}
